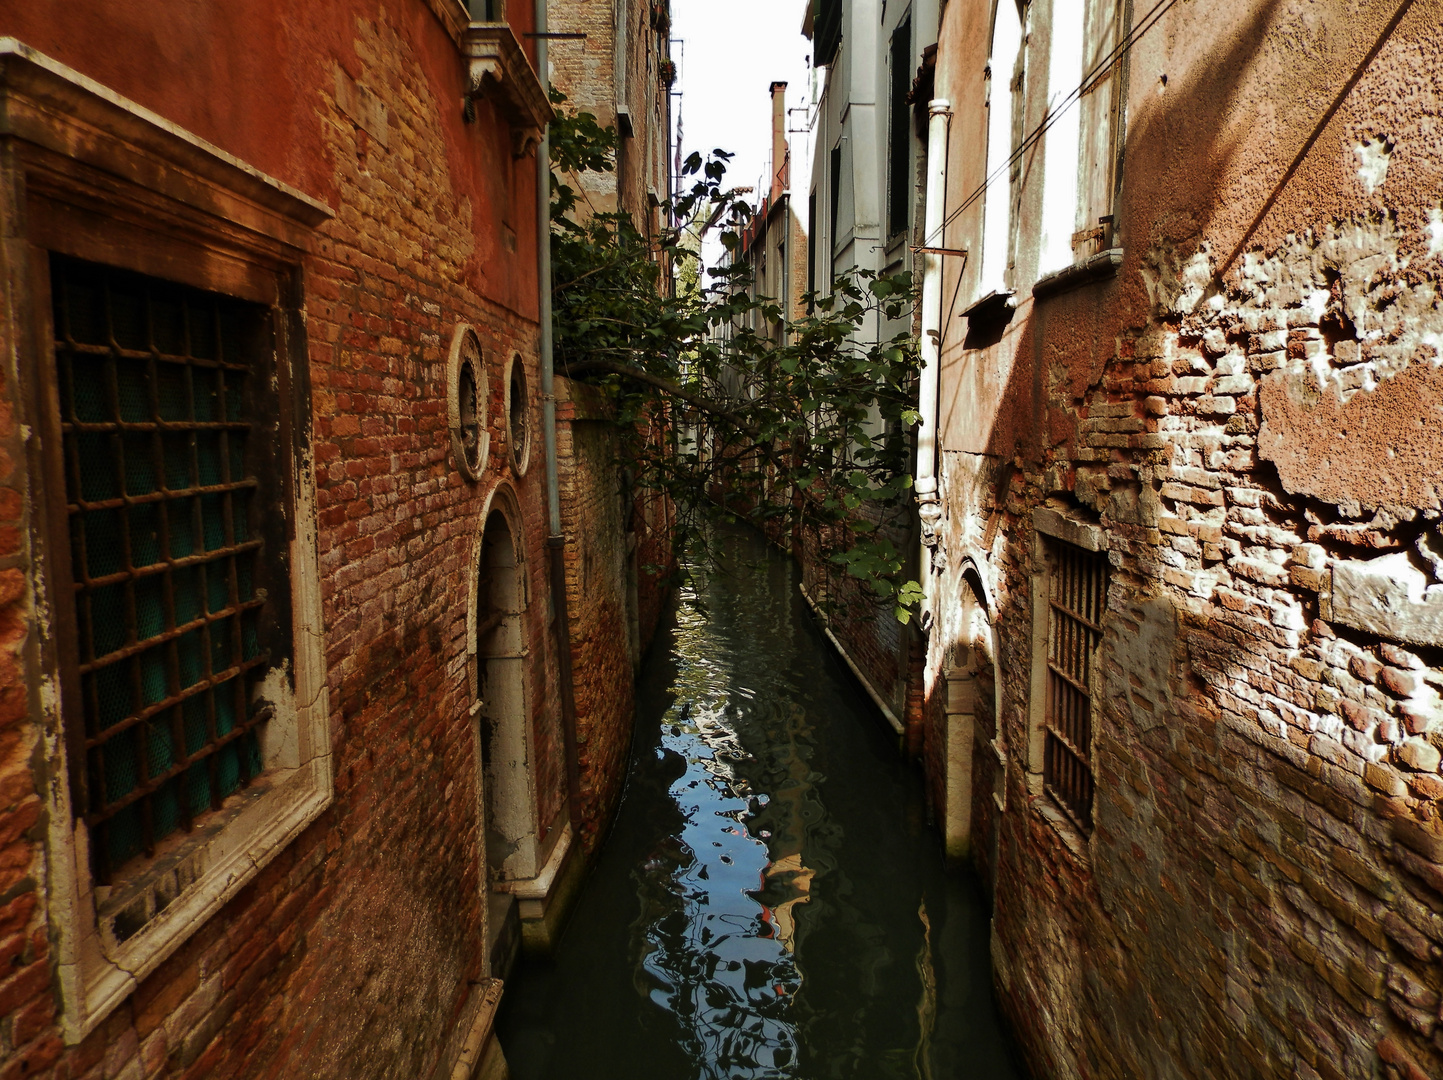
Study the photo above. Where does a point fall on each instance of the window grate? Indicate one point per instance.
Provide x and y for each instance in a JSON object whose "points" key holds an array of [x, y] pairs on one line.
{"points": [[154, 384], [1077, 595]]}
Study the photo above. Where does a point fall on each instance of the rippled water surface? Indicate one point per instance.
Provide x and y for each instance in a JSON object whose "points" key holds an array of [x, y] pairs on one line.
{"points": [[771, 902]]}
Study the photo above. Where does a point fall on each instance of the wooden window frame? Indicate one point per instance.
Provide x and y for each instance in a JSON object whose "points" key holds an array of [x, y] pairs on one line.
{"points": [[88, 174], [1102, 130]]}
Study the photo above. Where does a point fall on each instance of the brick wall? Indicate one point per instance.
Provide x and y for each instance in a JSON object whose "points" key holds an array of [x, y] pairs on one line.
{"points": [[28, 1039], [1239, 412], [355, 951], [618, 553], [866, 627], [618, 560]]}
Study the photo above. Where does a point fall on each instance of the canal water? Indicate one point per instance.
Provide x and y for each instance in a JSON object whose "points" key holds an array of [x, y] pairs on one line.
{"points": [[772, 900]]}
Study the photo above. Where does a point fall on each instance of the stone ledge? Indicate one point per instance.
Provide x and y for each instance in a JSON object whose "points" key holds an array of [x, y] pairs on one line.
{"points": [[995, 304], [464, 1060], [499, 71], [44, 102], [1102, 265], [1072, 840], [538, 887], [1056, 524], [1390, 597]]}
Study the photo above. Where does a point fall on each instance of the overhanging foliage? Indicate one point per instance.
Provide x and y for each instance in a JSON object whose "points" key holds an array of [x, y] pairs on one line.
{"points": [[802, 428]]}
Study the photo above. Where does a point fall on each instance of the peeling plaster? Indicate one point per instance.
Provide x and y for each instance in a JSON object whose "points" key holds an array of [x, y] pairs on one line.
{"points": [[1373, 157], [1353, 316], [1355, 273]]}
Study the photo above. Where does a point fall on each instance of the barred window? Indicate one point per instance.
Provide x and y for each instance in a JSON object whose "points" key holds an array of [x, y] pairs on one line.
{"points": [[1077, 595], [167, 479]]}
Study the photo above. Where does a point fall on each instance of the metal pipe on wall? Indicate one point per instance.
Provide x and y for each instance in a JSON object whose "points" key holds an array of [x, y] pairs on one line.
{"points": [[555, 539], [929, 509]]}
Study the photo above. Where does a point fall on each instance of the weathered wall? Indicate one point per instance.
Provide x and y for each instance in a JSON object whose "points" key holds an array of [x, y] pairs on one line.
{"points": [[1248, 409], [618, 554], [354, 951], [618, 566]]}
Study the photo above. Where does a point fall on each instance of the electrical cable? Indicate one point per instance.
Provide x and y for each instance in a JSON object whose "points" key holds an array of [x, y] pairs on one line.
{"points": [[1106, 64]]}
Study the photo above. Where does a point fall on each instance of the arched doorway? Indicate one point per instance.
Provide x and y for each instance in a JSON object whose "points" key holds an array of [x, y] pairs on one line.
{"points": [[976, 749], [498, 652]]}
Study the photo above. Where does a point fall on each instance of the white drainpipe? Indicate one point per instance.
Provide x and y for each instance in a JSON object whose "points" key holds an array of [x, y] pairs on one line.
{"points": [[929, 509]]}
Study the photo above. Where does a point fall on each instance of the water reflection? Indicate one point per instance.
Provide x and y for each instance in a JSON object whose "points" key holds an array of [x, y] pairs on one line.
{"points": [[771, 902], [716, 931]]}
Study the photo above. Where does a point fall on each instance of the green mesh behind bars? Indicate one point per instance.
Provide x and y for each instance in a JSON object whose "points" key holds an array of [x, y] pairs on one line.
{"points": [[153, 384]]}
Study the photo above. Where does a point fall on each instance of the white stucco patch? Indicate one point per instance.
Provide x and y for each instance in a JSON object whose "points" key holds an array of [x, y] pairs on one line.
{"points": [[1352, 273], [1373, 157]]}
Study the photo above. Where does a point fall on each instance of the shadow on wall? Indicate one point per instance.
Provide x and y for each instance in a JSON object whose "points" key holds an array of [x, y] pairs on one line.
{"points": [[1200, 934], [1063, 343]]}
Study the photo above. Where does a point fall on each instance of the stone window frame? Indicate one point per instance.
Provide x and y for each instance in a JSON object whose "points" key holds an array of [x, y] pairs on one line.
{"points": [[1054, 524], [92, 175], [508, 634], [518, 450], [467, 358]]}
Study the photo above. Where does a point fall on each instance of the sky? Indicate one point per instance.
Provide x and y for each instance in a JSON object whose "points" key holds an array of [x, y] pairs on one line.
{"points": [[729, 52]]}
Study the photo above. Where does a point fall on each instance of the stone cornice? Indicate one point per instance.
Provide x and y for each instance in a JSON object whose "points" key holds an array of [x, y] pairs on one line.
{"points": [[49, 105]]}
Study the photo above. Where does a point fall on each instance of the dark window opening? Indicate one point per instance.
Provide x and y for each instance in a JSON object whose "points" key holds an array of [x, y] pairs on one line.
{"points": [[811, 247], [170, 492], [836, 182], [826, 30], [899, 148], [468, 404], [517, 416], [1077, 597]]}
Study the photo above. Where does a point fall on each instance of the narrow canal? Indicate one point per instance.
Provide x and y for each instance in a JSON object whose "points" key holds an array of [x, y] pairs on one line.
{"points": [[772, 901]]}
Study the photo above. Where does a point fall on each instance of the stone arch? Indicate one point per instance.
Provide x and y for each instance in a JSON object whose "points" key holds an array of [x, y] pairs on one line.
{"points": [[499, 707]]}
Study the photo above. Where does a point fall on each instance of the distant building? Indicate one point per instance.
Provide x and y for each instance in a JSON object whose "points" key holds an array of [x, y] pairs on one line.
{"points": [[772, 247], [622, 72], [864, 211]]}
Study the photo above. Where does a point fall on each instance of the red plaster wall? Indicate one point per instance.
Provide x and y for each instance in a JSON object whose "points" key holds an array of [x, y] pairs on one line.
{"points": [[254, 79]]}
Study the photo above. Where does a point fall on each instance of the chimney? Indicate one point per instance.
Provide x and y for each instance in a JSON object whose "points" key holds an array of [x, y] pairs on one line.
{"points": [[781, 163]]}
